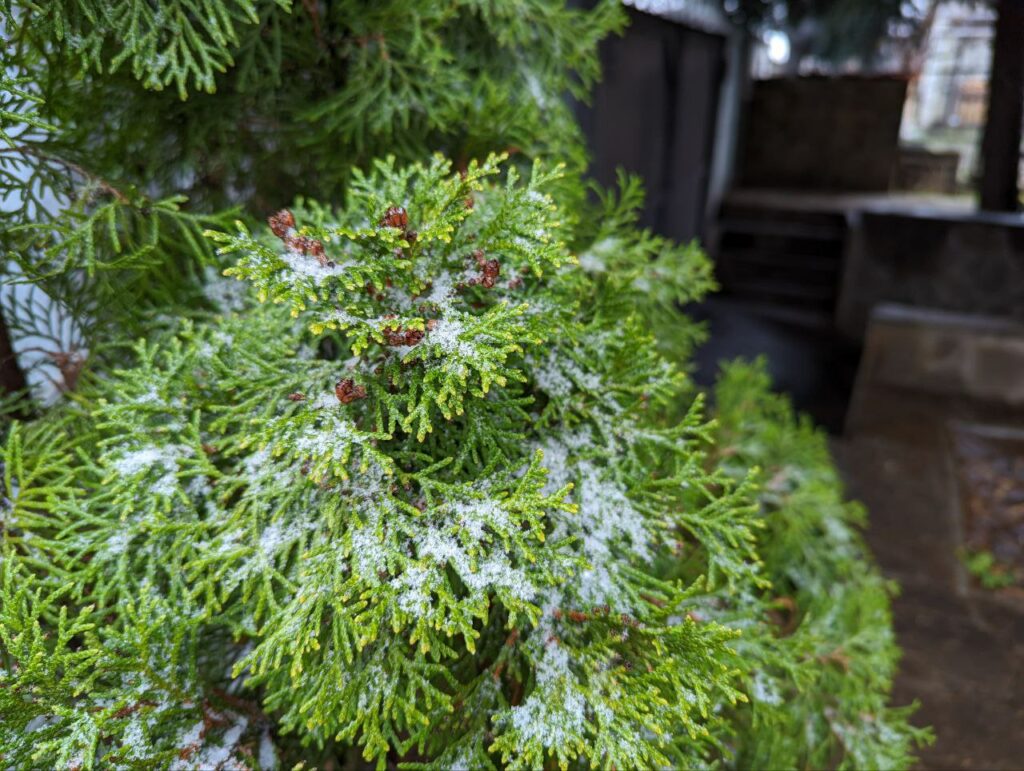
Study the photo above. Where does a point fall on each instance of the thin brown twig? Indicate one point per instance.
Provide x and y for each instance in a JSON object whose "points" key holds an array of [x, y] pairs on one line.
{"points": [[12, 377], [103, 184], [314, 14]]}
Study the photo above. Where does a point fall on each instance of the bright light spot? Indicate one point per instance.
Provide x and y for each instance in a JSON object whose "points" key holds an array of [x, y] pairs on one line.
{"points": [[778, 47]]}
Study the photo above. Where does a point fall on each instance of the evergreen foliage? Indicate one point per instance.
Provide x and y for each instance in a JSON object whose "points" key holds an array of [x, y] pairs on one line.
{"points": [[282, 100], [422, 479], [832, 605]]}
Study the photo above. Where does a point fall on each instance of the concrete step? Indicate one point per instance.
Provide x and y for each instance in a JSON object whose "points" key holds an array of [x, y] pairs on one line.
{"points": [[786, 292], [790, 228], [756, 262]]}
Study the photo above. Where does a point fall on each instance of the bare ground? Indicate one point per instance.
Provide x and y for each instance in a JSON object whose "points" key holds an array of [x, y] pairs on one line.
{"points": [[963, 648]]}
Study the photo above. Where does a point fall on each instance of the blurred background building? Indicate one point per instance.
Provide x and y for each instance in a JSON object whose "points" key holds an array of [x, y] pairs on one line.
{"points": [[828, 155], [853, 168], [948, 88]]}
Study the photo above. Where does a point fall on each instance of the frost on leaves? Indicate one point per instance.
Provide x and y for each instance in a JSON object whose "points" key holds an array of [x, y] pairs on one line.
{"points": [[415, 497]]}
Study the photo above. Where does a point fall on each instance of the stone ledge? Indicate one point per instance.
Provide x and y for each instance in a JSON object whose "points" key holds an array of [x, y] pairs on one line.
{"points": [[944, 353]]}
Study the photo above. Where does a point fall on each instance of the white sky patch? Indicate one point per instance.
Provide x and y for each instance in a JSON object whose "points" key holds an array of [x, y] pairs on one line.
{"points": [[44, 325], [267, 754]]}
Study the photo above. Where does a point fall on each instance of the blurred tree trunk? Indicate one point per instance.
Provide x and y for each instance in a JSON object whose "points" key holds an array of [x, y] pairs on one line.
{"points": [[12, 378], [1000, 146]]}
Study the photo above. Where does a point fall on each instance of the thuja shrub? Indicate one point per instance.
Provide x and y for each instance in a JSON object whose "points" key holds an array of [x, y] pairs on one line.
{"points": [[829, 606], [427, 486], [422, 488]]}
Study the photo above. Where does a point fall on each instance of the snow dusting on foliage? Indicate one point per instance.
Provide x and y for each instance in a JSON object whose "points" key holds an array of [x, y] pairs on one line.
{"points": [[434, 491]]}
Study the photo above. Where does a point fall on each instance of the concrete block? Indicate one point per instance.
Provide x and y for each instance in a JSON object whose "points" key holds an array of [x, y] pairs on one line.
{"points": [[943, 353]]}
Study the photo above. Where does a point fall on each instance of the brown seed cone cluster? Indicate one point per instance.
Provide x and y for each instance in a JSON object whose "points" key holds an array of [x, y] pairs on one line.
{"points": [[581, 617], [348, 391], [282, 225], [489, 270], [398, 218], [397, 336]]}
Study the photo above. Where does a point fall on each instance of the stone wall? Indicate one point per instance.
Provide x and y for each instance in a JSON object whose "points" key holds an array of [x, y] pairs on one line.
{"points": [[823, 133], [963, 262], [944, 354], [923, 171]]}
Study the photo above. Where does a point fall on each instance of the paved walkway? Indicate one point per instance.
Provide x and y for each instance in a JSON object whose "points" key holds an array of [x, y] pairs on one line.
{"points": [[963, 652]]}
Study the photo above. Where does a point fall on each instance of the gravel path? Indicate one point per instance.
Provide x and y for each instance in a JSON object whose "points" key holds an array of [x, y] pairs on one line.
{"points": [[963, 650]]}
